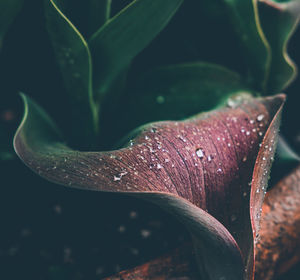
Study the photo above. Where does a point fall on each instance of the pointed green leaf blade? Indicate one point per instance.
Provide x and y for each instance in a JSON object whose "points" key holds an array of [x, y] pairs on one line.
{"points": [[245, 21], [73, 57], [125, 35], [99, 13], [279, 21]]}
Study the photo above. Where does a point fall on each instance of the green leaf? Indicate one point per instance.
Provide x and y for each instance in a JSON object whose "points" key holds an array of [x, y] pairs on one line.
{"points": [[172, 93], [88, 16], [99, 13], [246, 23], [125, 35], [279, 21], [285, 152], [8, 11], [179, 91], [74, 60], [286, 159]]}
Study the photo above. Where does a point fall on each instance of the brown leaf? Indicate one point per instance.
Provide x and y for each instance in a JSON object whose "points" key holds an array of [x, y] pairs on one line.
{"points": [[193, 167]]}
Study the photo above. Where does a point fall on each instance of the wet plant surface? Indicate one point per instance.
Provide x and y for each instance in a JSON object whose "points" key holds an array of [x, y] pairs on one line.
{"points": [[51, 232]]}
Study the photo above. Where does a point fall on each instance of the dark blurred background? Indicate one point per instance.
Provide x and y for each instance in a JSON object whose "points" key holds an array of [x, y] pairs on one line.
{"points": [[49, 232]]}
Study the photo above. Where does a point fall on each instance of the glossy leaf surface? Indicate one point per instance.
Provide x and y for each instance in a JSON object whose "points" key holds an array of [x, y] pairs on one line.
{"points": [[199, 162]]}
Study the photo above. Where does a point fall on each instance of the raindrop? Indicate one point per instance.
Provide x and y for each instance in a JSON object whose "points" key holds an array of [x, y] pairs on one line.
{"points": [[260, 117], [117, 178], [219, 170], [159, 166], [199, 153], [231, 103]]}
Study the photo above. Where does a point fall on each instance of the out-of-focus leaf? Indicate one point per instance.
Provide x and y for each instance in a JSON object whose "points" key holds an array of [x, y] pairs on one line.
{"points": [[246, 22], [99, 12], [178, 91], [115, 44], [74, 59], [285, 152], [286, 159], [206, 160], [88, 16], [279, 21], [8, 11]]}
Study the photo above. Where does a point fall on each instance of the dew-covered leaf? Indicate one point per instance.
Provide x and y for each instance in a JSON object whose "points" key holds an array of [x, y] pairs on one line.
{"points": [[261, 175], [115, 44], [205, 161], [8, 11], [74, 60], [279, 21], [176, 92], [277, 249]]}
